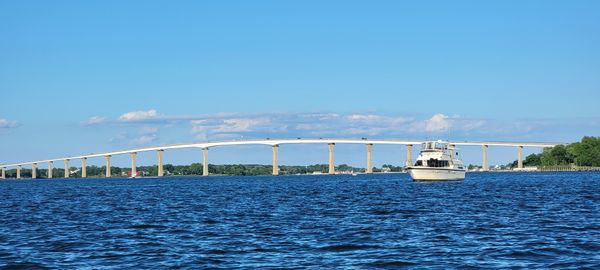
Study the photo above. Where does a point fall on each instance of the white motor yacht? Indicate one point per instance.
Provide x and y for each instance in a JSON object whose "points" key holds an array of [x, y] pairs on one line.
{"points": [[438, 161]]}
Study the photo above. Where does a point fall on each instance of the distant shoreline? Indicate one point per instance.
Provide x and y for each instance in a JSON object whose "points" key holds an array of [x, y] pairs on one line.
{"points": [[282, 175]]}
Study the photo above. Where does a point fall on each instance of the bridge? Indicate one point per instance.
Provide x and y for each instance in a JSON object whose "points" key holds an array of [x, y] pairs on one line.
{"points": [[274, 143]]}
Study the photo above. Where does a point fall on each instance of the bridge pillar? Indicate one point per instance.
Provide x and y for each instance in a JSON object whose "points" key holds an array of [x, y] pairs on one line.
{"points": [[520, 157], [83, 167], [67, 172], [331, 163], [107, 175], [160, 154], [485, 166], [50, 165], [133, 167], [275, 160], [409, 155], [369, 158], [205, 161], [33, 170], [3, 173], [19, 172]]}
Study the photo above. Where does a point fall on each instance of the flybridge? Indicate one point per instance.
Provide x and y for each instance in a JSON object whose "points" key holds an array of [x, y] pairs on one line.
{"points": [[274, 143]]}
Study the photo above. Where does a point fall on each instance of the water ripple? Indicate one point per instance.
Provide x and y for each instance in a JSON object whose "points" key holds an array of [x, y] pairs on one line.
{"points": [[490, 220]]}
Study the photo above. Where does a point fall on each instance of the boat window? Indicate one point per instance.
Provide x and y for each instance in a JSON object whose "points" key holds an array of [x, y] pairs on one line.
{"points": [[419, 163], [436, 163], [430, 162]]}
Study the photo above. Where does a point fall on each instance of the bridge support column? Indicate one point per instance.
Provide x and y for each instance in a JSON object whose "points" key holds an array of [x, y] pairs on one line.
{"points": [[133, 160], [331, 163], [19, 172], [160, 154], [67, 172], [107, 175], [369, 158], [275, 160], [409, 155], [3, 173], [33, 171], [50, 168], [83, 167], [520, 157], [205, 161], [485, 165]]}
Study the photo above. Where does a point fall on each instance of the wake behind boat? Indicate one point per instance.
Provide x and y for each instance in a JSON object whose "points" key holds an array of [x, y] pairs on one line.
{"points": [[437, 161]]}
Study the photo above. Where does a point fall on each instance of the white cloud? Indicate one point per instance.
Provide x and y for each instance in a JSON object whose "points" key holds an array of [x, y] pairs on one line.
{"points": [[4, 123], [144, 139], [94, 120], [138, 116], [437, 123], [227, 128], [313, 126], [299, 124], [363, 117], [319, 116], [372, 131], [144, 125], [325, 124], [242, 125]]}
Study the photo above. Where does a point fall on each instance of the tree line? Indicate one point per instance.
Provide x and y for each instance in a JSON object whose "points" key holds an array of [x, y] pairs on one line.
{"points": [[583, 153], [197, 169]]}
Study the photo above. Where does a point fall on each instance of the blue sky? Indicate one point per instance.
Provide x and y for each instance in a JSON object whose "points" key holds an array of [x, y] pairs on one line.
{"points": [[91, 76]]}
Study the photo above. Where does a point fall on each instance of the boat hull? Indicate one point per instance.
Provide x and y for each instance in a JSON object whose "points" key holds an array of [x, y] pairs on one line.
{"points": [[435, 174]]}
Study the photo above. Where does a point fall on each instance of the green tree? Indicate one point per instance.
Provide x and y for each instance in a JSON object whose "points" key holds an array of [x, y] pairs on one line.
{"points": [[587, 152], [584, 153], [532, 160]]}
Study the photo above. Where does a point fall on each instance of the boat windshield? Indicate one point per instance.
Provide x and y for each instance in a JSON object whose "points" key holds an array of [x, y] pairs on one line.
{"points": [[434, 146]]}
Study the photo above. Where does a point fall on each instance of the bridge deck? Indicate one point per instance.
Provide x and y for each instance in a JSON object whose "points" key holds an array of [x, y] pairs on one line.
{"points": [[272, 142]]}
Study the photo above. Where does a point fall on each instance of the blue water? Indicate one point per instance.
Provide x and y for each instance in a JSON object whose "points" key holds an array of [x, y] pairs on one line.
{"points": [[490, 220]]}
